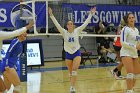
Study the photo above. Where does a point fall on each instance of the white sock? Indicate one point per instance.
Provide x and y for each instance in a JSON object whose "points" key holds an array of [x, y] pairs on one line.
{"points": [[129, 91], [72, 88]]}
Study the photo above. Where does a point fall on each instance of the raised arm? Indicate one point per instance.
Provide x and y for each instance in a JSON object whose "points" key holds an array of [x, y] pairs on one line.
{"points": [[6, 35], [92, 11], [60, 29]]}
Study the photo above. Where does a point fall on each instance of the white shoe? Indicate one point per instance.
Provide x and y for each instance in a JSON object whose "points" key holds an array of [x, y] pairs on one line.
{"points": [[129, 91], [72, 90], [114, 74]]}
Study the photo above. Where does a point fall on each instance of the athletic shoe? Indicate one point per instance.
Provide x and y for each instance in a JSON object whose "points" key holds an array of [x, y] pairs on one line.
{"points": [[115, 75], [72, 90], [129, 91]]}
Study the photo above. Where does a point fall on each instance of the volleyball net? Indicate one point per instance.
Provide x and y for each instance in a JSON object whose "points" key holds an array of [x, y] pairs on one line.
{"points": [[43, 26]]}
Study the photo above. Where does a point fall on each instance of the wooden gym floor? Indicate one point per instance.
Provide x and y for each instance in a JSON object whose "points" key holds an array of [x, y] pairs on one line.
{"points": [[90, 80]]}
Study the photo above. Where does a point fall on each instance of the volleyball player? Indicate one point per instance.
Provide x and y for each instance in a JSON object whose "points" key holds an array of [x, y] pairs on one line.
{"points": [[6, 35], [128, 53], [117, 47], [71, 45], [9, 63]]}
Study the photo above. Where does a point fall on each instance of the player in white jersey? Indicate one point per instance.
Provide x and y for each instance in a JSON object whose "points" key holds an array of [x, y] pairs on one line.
{"points": [[129, 40], [6, 35], [71, 45]]}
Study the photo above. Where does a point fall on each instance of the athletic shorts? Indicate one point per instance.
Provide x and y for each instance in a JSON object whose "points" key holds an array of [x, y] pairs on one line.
{"points": [[72, 56], [2, 66], [117, 48]]}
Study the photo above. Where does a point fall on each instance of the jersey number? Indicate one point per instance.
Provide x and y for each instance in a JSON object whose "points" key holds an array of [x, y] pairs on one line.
{"points": [[71, 39]]}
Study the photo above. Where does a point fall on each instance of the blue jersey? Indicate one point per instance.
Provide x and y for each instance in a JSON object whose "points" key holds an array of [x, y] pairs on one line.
{"points": [[13, 53]]}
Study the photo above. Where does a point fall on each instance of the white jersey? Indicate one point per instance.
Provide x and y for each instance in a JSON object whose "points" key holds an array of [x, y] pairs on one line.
{"points": [[129, 40], [71, 40], [6, 35]]}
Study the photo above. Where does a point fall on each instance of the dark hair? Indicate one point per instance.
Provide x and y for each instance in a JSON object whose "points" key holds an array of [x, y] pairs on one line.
{"points": [[67, 23], [71, 21], [125, 18]]}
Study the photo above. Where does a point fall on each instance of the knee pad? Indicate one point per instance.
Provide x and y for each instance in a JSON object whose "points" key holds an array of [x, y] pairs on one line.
{"points": [[74, 73], [130, 76], [17, 88]]}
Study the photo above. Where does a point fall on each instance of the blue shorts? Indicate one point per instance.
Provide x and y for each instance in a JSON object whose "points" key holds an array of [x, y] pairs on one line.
{"points": [[2, 66], [72, 56]]}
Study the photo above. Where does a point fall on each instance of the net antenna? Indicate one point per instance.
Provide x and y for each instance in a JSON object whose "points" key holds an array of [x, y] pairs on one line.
{"points": [[34, 15]]}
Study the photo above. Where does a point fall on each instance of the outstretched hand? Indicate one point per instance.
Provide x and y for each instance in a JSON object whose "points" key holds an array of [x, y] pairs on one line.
{"points": [[30, 25], [50, 11], [93, 10]]}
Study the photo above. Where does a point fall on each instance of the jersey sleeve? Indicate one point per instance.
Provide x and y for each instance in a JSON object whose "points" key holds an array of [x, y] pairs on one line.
{"points": [[60, 29], [10, 50], [81, 28], [124, 36], [6, 35]]}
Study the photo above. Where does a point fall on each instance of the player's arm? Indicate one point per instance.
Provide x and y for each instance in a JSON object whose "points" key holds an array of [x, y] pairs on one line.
{"points": [[124, 35], [115, 38], [60, 29], [103, 48], [6, 35], [92, 11]]}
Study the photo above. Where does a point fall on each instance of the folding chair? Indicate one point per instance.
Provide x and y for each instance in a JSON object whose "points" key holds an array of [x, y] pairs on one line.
{"points": [[85, 55]]}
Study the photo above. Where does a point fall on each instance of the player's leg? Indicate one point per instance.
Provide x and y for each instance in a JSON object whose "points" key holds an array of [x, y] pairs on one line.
{"points": [[136, 69], [104, 54], [136, 66], [76, 64], [128, 64], [15, 81], [2, 86], [12, 76], [7, 82], [69, 64], [117, 71]]}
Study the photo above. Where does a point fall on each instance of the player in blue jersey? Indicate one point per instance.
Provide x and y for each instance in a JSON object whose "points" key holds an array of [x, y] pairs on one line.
{"points": [[6, 35], [130, 44], [71, 45], [9, 63]]}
